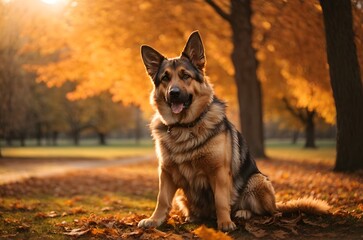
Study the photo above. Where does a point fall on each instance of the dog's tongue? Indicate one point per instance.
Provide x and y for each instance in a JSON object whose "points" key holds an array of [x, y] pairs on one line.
{"points": [[177, 107]]}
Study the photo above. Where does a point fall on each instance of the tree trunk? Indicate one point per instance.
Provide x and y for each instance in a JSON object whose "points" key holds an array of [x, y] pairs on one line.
{"points": [[295, 137], [138, 126], [76, 136], [248, 86], [346, 83], [55, 138], [102, 138], [22, 139], [310, 130], [9, 140], [39, 133]]}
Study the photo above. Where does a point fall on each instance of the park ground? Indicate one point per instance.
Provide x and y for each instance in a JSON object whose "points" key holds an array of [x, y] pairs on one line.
{"points": [[105, 201]]}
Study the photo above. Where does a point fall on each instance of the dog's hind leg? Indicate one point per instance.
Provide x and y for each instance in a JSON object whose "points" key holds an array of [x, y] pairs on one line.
{"points": [[258, 197]]}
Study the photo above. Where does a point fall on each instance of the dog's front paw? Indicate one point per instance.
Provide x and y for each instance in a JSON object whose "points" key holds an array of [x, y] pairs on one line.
{"points": [[226, 226], [149, 223]]}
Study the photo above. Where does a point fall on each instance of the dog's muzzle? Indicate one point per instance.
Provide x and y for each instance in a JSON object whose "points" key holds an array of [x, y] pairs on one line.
{"points": [[178, 99]]}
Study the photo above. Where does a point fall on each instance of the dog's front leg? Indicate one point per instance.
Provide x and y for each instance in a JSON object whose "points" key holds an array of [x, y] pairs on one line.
{"points": [[221, 184], [167, 190]]}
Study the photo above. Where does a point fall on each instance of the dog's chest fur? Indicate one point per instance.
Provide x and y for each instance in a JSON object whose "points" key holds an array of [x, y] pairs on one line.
{"points": [[186, 153]]}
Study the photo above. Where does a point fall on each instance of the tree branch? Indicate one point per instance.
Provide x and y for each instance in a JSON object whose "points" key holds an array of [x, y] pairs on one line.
{"points": [[295, 112], [219, 10]]}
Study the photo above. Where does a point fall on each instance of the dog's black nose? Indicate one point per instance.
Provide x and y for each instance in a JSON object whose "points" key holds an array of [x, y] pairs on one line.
{"points": [[174, 92]]}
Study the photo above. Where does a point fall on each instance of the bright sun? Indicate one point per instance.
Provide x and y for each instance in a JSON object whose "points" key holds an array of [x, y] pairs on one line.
{"points": [[50, 1]]}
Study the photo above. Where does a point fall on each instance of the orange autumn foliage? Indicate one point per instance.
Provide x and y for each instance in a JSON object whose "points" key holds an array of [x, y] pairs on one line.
{"points": [[96, 44]]}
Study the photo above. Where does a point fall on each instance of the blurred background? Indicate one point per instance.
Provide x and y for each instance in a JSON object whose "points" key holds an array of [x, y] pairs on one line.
{"points": [[76, 155], [71, 72]]}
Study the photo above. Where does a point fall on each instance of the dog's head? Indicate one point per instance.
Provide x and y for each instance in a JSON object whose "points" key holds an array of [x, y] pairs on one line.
{"points": [[181, 89]]}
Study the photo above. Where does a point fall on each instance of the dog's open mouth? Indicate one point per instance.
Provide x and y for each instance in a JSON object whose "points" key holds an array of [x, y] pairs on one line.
{"points": [[177, 107]]}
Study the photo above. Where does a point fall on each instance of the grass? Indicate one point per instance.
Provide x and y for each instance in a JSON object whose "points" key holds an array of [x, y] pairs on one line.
{"points": [[283, 149], [88, 149]]}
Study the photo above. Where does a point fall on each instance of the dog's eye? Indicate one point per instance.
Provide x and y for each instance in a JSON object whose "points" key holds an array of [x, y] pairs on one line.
{"points": [[186, 76], [165, 78]]}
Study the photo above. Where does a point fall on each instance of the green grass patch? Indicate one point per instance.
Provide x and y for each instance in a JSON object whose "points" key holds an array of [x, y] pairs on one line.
{"points": [[278, 148], [115, 149], [324, 153]]}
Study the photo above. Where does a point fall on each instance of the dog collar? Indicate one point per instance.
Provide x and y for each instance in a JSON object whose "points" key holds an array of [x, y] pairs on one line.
{"points": [[188, 125]]}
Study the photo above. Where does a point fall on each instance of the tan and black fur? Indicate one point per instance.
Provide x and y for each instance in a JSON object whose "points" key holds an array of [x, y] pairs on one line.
{"points": [[202, 157]]}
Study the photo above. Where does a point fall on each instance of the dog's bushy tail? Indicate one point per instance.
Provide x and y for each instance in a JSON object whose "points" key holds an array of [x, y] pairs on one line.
{"points": [[307, 205]]}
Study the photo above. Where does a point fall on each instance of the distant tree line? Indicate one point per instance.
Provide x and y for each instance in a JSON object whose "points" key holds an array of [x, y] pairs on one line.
{"points": [[32, 110]]}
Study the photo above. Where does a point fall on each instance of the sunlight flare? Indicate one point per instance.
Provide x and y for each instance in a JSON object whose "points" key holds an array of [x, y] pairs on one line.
{"points": [[50, 1]]}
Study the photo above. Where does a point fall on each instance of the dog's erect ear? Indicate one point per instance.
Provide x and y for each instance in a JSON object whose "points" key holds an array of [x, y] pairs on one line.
{"points": [[194, 50], [152, 60]]}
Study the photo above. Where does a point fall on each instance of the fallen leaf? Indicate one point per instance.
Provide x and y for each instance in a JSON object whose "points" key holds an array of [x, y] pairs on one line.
{"points": [[323, 225], [324, 235], [293, 221], [136, 233], [130, 221], [52, 214], [77, 210], [255, 231], [106, 209], [208, 233], [11, 220], [97, 231], [77, 232], [172, 236], [21, 207], [8, 236], [40, 215], [269, 221], [290, 224], [342, 222], [279, 234], [156, 232], [23, 227], [91, 223], [69, 202], [288, 227], [109, 224]]}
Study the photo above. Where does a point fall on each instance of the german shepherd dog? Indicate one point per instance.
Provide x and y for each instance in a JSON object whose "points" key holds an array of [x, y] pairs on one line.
{"points": [[203, 160]]}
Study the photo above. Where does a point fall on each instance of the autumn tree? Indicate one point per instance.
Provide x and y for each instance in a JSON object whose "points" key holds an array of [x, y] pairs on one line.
{"points": [[107, 116], [101, 53], [47, 112], [293, 66], [245, 67], [346, 83], [14, 81]]}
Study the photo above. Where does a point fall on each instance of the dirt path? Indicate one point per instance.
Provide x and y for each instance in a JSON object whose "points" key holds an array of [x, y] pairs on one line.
{"points": [[12, 170]]}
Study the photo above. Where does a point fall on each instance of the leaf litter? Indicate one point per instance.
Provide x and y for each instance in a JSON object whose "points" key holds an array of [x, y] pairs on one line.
{"points": [[292, 180]]}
